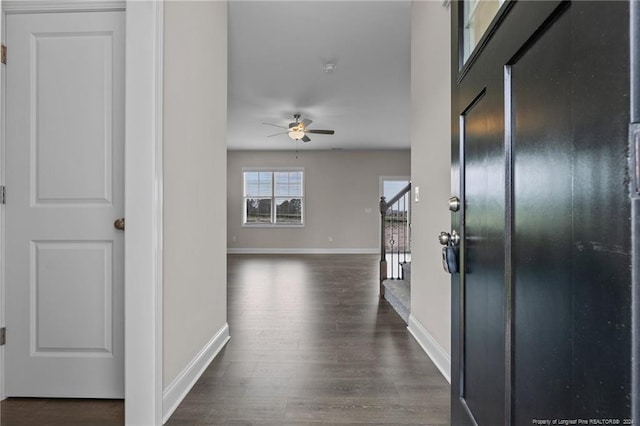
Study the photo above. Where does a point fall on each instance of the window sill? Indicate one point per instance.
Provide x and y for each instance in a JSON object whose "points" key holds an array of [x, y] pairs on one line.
{"points": [[272, 225]]}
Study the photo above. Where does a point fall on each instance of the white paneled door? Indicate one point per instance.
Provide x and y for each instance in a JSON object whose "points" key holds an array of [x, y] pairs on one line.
{"points": [[65, 188]]}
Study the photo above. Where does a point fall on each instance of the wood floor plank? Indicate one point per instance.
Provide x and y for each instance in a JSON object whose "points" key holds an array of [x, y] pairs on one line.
{"points": [[54, 412], [381, 410]]}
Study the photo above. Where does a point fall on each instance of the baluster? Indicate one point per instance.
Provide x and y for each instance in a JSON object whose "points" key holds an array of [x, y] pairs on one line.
{"points": [[399, 245], [393, 239], [392, 242], [404, 231], [397, 261], [407, 202]]}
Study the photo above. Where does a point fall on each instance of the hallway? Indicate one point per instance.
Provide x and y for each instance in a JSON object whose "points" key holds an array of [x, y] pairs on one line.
{"points": [[312, 344]]}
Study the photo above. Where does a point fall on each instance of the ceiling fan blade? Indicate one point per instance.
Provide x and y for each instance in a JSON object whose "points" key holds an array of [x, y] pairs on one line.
{"points": [[275, 125], [305, 138], [321, 132], [276, 134], [305, 122]]}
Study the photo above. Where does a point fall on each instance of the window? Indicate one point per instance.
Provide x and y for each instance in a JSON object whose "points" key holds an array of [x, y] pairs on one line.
{"points": [[273, 197], [478, 15]]}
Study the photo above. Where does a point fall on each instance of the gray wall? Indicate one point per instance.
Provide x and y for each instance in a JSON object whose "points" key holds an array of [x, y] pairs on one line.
{"points": [[341, 199], [430, 165], [195, 117]]}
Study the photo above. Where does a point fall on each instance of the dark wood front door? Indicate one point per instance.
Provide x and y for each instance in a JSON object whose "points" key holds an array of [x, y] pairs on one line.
{"points": [[542, 307]]}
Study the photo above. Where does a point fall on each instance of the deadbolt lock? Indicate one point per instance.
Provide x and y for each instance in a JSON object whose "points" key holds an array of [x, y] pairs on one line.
{"points": [[454, 204]]}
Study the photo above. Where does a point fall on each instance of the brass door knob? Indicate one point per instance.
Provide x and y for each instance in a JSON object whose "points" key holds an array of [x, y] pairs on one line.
{"points": [[119, 224]]}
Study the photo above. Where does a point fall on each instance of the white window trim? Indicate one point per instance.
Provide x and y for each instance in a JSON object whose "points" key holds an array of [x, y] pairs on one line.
{"points": [[272, 225]]}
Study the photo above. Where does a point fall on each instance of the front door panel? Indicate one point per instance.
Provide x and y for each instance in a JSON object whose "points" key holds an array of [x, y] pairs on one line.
{"points": [[541, 325], [543, 164], [483, 353]]}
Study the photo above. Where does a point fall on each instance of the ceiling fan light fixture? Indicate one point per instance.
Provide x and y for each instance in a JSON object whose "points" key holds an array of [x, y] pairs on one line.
{"points": [[329, 68], [296, 134], [298, 129]]}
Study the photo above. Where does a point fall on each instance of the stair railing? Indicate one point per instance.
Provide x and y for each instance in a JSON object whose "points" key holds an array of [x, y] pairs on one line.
{"points": [[395, 235]]}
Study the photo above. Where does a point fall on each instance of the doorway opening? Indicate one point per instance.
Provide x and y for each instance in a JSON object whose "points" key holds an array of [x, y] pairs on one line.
{"points": [[395, 242]]}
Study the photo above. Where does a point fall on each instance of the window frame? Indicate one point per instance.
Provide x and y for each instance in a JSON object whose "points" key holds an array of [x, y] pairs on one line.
{"points": [[273, 197]]}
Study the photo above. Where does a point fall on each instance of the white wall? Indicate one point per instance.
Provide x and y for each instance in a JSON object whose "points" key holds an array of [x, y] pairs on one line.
{"points": [[430, 164], [195, 116], [341, 202]]}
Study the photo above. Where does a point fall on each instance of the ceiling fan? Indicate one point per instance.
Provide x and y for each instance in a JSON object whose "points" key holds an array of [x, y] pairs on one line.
{"points": [[298, 130]]}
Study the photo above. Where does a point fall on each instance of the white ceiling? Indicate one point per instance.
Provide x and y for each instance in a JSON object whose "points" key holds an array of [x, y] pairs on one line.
{"points": [[277, 52]]}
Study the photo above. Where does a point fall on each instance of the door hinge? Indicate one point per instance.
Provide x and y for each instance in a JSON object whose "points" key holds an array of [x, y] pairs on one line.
{"points": [[3, 336], [3, 194], [3, 53]]}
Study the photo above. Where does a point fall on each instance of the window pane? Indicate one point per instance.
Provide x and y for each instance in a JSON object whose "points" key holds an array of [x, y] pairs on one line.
{"points": [[390, 188], [257, 184], [288, 184], [258, 210], [478, 14], [288, 210]]}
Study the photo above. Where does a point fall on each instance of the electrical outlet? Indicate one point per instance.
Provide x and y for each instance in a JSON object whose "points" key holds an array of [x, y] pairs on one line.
{"points": [[417, 194]]}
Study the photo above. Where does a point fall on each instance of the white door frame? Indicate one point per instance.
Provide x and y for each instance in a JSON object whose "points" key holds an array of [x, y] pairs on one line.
{"points": [[143, 196], [143, 210]]}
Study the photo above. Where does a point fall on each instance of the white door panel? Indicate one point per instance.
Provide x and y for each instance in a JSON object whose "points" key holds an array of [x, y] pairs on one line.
{"points": [[65, 188], [82, 127]]}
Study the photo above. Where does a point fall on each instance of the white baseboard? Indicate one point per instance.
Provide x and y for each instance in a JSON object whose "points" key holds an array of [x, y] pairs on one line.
{"points": [[303, 251], [180, 387], [3, 395], [440, 358]]}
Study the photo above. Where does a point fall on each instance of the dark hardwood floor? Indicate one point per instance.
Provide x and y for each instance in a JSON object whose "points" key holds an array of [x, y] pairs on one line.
{"points": [[61, 412], [311, 345]]}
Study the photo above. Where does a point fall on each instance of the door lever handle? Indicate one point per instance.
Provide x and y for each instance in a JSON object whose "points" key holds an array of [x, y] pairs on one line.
{"points": [[450, 242]]}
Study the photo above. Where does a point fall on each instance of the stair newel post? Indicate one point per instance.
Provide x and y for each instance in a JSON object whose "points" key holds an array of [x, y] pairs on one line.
{"points": [[383, 248]]}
